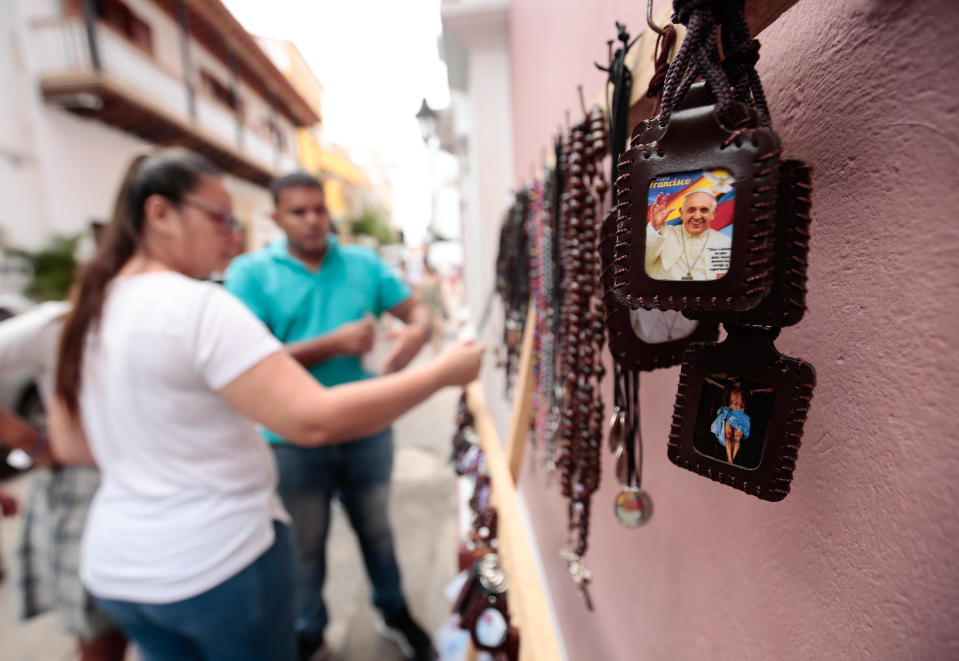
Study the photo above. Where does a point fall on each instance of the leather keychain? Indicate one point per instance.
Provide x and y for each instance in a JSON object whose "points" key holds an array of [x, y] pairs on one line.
{"points": [[740, 411], [698, 186], [483, 609], [677, 181], [638, 339], [735, 252]]}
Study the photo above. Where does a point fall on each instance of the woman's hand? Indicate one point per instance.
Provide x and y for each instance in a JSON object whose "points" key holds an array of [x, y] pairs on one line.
{"points": [[282, 396], [459, 363]]}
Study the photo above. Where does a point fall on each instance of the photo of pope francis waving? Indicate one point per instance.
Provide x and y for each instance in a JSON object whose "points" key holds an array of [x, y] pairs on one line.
{"points": [[690, 250]]}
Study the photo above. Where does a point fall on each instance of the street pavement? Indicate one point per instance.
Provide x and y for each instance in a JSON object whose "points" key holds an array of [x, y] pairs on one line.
{"points": [[424, 514]]}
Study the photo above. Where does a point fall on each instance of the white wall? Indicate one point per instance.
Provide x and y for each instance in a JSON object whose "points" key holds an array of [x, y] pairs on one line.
{"points": [[165, 31], [82, 163], [22, 214], [482, 27], [30, 9], [57, 171]]}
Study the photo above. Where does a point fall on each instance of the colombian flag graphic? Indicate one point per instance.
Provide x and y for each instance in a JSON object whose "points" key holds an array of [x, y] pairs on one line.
{"points": [[675, 187]]}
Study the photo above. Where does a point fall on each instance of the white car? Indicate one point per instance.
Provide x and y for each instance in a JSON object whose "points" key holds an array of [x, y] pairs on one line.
{"points": [[18, 392]]}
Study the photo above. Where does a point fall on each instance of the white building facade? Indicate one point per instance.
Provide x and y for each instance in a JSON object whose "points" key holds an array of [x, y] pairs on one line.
{"points": [[478, 130], [92, 83]]}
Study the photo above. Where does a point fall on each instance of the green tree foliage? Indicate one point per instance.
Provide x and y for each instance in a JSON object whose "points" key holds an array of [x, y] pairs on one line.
{"points": [[370, 224], [53, 267]]}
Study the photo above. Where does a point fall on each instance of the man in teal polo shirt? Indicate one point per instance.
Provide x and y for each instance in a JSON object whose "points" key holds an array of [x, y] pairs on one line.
{"points": [[317, 296]]}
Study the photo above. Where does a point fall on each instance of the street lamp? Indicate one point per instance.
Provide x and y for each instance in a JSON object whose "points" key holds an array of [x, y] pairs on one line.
{"points": [[427, 119]]}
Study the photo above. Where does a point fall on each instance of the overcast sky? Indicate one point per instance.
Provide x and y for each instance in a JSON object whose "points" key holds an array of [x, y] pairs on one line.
{"points": [[377, 60]]}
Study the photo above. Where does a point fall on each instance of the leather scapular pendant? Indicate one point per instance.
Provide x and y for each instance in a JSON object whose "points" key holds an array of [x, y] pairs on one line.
{"points": [[697, 210], [740, 412], [483, 611]]}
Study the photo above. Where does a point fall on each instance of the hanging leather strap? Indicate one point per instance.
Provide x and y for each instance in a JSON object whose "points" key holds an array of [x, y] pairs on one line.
{"points": [[732, 78]]}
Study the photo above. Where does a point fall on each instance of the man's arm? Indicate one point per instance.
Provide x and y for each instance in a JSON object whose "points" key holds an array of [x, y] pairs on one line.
{"points": [[353, 339], [409, 341], [655, 222], [243, 281], [27, 339]]}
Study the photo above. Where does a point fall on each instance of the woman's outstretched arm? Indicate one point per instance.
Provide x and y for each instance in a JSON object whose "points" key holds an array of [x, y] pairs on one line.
{"points": [[278, 393]]}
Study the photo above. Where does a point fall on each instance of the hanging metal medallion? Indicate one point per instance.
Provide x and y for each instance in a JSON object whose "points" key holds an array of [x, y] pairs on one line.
{"points": [[633, 507]]}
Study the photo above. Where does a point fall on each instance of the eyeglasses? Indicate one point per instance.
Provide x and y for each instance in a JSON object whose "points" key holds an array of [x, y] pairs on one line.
{"points": [[225, 219]]}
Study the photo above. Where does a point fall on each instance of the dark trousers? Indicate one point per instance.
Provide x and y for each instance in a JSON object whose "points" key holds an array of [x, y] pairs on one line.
{"points": [[358, 473], [248, 617]]}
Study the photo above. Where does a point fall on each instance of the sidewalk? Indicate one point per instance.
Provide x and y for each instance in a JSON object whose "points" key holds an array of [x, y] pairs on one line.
{"points": [[424, 523]]}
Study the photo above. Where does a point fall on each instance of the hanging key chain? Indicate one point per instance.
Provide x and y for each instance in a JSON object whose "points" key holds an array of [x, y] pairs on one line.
{"points": [[698, 186], [740, 411], [633, 506]]}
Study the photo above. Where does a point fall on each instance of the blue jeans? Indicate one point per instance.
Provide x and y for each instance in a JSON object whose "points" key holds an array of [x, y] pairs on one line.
{"points": [[358, 473], [248, 617]]}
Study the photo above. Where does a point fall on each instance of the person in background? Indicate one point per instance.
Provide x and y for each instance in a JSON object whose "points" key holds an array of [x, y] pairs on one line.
{"points": [[430, 292], [160, 381], [317, 296], [8, 507], [48, 553]]}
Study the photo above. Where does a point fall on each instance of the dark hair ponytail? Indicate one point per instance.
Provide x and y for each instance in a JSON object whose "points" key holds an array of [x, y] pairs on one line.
{"points": [[171, 173]]}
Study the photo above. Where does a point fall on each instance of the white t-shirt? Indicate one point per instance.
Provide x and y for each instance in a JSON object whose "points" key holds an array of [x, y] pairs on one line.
{"points": [[29, 341], [188, 486]]}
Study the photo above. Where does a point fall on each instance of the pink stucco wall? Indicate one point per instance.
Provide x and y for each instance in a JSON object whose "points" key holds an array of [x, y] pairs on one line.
{"points": [[861, 561]]}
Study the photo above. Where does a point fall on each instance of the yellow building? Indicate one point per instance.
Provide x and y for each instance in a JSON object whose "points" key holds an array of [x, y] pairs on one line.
{"points": [[349, 191]]}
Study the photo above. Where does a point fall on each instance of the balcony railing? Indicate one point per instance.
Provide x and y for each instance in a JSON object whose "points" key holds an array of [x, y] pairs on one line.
{"points": [[135, 68], [60, 47], [60, 50], [216, 119]]}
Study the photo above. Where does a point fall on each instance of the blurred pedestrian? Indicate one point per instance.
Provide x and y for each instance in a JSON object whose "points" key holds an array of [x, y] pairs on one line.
{"points": [[316, 296], [430, 292], [8, 508], [48, 552], [160, 381]]}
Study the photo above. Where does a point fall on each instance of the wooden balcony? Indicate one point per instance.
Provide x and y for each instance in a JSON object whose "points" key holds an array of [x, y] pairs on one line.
{"points": [[134, 93]]}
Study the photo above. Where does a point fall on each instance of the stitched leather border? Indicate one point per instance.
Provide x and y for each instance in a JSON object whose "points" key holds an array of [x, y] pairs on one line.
{"points": [[786, 302]]}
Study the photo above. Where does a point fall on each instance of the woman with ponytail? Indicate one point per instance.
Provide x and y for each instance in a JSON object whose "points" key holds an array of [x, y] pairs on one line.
{"points": [[187, 546]]}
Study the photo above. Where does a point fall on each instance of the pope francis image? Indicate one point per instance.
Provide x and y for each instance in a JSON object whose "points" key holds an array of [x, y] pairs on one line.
{"points": [[690, 251]]}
